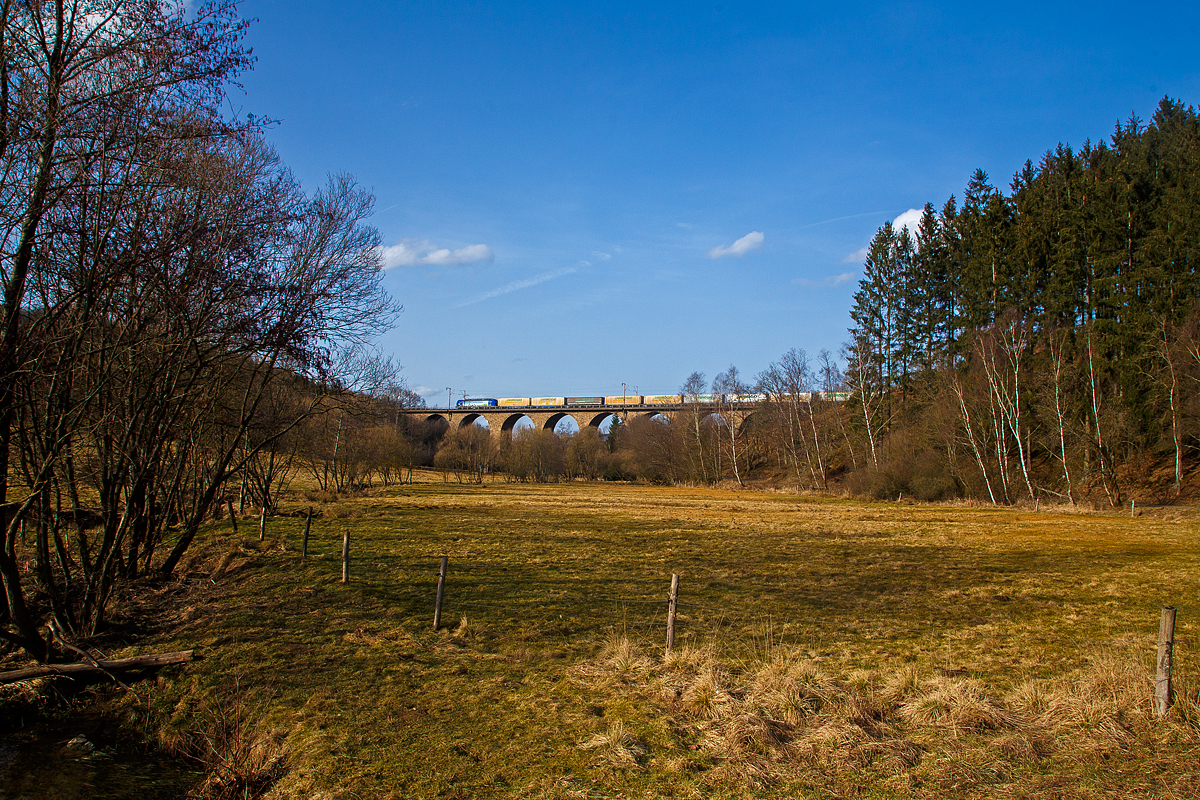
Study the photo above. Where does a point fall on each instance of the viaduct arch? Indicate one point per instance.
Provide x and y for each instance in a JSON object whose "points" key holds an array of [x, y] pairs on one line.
{"points": [[503, 421]]}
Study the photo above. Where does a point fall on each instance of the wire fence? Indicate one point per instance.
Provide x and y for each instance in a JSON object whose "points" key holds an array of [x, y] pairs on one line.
{"points": [[413, 583], [537, 593]]}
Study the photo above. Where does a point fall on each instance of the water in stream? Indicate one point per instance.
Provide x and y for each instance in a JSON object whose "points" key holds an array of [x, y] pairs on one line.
{"points": [[63, 759]]}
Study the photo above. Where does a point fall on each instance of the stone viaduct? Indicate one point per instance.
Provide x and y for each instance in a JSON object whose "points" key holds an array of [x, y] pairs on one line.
{"points": [[502, 421]]}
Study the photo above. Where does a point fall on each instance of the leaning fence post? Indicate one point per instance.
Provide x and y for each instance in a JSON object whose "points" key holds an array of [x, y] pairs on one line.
{"points": [[437, 606], [232, 516], [304, 538], [1166, 646], [346, 556], [262, 522], [672, 604]]}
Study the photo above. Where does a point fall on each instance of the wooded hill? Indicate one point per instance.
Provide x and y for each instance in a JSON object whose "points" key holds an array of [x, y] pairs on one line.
{"points": [[1039, 340]]}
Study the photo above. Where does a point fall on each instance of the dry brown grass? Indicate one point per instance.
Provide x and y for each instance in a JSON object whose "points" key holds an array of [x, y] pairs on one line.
{"points": [[826, 647], [786, 722]]}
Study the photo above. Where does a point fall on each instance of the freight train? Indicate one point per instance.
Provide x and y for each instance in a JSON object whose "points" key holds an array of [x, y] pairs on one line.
{"points": [[637, 400]]}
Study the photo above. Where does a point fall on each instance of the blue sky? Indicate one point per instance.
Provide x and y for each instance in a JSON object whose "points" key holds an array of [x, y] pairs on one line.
{"points": [[576, 196]]}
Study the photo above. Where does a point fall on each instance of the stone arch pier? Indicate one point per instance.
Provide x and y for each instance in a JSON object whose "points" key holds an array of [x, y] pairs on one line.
{"points": [[502, 421]]}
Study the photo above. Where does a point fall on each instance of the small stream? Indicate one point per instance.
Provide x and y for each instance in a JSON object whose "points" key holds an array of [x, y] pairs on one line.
{"points": [[63, 759]]}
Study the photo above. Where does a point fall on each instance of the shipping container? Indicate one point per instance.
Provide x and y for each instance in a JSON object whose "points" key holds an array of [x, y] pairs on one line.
{"points": [[662, 399], [624, 400], [750, 397], [513, 402], [583, 401], [701, 398], [547, 401]]}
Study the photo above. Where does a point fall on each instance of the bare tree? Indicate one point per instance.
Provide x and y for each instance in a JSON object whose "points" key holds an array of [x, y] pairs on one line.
{"points": [[1100, 439], [1056, 341], [691, 392], [788, 385], [1001, 352], [832, 382], [584, 455], [80, 85], [730, 387], [468, 452], [167, 284]]}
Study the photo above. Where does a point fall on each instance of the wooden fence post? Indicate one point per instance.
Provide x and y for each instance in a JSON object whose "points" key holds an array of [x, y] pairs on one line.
{"points": [[346, 555], [304, 538], [262, 523], [1166, 646], [672, 604], [232, 516], [437, 606]]}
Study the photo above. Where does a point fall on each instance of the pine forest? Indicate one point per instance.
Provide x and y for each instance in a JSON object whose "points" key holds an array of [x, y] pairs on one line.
{"points": [[1043, 341]]}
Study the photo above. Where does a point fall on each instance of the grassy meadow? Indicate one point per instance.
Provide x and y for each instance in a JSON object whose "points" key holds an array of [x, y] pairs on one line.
{"points": [[825, 648]]}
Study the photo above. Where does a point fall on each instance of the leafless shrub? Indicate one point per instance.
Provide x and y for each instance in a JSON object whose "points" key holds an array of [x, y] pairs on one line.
{"points": [[229, 734]]}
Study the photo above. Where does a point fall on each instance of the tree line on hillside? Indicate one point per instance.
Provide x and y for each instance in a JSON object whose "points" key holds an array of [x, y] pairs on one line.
{"points": [[175, 308], [1039, 341], [1035, 343]]}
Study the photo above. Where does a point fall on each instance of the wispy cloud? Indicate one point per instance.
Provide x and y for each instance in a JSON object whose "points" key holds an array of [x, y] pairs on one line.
{"points": [[596, 254], [840, 219], [515, 286], [825, 283], [751, 241], [857, 257], [415, 252]]}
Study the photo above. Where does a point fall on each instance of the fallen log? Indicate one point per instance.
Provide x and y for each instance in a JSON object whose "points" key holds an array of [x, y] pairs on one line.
{"points": [[152, 661]]}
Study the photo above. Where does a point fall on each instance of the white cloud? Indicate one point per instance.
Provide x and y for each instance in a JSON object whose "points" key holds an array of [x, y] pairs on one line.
{"points": [[414, 252], [596, 254], [751, 241], [516, 286], [825, 283], [910, 219], [857, 257]]}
